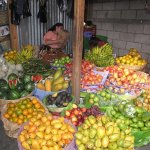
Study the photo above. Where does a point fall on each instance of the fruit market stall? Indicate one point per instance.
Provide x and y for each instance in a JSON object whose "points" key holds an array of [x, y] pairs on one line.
{"points": [[98, 102]]}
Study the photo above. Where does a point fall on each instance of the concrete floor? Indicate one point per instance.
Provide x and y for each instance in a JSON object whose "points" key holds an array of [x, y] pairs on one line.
{"points": [[7, 143]]}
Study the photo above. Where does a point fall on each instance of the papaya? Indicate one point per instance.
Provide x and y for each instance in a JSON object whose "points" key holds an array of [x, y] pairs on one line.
{"points": [[57, 87], [65, 85], [58, 80], [57, 74]]}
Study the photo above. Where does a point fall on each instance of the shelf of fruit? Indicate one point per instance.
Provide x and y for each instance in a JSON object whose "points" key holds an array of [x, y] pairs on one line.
{"points": [[106, 118]]}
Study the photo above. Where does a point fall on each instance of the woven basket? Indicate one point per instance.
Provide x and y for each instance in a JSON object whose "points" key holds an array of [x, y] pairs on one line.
{"points": [[11, 129], [4, 17], [134, 67]]}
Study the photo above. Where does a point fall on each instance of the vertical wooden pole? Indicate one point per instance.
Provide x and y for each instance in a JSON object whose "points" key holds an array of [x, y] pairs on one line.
{"points": [[79, 6], [13, 30]]}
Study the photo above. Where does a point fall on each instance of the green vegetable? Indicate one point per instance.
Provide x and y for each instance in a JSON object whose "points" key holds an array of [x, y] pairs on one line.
{"points": [[4, 87]]}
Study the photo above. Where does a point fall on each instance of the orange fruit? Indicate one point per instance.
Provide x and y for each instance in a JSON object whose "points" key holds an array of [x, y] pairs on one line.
{"points": [[14, 115], [29, 116], [29, 105], [14, 119], [6, 115], [25, 119], [37, 105], [25, 112], [9, 111], [21, 117], [23, 106], [11, 105], [20, 121], [34, 101], [30, 110]]}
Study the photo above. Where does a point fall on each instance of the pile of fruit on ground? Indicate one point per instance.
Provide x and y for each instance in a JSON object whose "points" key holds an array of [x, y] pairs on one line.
{"points": [[114, 108]]}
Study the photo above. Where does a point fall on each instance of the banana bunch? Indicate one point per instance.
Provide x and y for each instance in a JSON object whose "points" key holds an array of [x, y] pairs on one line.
{"points": [[101, 56], [25, 54]]}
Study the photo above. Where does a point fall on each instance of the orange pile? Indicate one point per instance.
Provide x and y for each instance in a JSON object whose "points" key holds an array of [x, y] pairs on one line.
{"points": [[23, 110], [44, 132]]}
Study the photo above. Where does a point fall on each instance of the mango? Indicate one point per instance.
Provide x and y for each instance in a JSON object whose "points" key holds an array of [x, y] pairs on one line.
{"points": [[109, 130], [25, 145], [65, 85], [114, 137], [57, 87], [127, 144], [90, 145], [78, 135], [57, 74], [120, 142], [116, 130], [85, 140], [112, 146], [92, 133], [105, 141], [45, 148], [98, 143], [61, 79], [81, 147], [101, 132], [109, 124], [92, 119], [40, 134], [35, 144]]}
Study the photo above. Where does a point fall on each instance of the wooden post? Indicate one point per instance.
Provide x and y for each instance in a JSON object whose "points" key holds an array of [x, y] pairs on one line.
{"points": [[13, 31], [79, 6]]}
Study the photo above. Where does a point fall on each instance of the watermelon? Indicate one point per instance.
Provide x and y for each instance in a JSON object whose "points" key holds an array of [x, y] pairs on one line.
{"points": [[26, 78], [2, 82], [14, 94], [12, 76], [30, 86], [20, 87], [24, 93], [4, 87]]}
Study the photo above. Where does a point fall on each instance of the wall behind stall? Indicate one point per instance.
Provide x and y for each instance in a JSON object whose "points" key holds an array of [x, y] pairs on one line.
{"points": [[31, 31], [126, 23]]}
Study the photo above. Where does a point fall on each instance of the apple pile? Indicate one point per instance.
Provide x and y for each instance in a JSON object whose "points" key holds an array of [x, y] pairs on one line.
{"points": [[91, 78], [78, 115], [124, 76], [85, 67]]}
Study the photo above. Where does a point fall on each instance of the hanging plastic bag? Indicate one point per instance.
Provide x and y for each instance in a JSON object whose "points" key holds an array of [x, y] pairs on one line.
{"points": [[42, 14]]}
